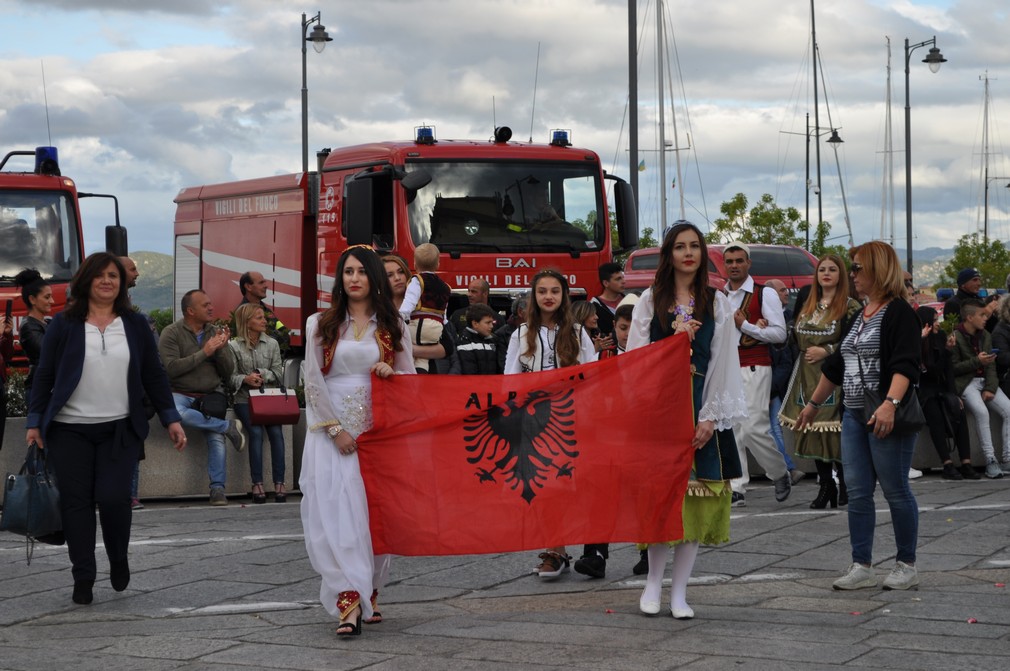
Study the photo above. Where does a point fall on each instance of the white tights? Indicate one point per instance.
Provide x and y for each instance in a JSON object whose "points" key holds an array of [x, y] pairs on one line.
{"points": [[684, 555]]}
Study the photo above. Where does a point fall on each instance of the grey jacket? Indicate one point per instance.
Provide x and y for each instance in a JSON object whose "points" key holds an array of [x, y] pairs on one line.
{"points": [[266, 358]]}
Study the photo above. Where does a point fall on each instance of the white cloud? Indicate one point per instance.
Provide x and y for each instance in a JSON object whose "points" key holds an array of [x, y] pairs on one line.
{"points": [[217, 97]]}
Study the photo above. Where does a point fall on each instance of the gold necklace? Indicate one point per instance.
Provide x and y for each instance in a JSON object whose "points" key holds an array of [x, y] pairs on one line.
{"points": [[358, 335]]}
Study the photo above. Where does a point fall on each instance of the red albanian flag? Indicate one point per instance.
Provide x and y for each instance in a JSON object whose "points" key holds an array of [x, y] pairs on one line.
{"points": [[500, 463]]}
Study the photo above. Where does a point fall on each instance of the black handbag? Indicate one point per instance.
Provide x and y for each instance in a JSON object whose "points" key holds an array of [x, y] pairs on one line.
{"points": [[214, 404], [31, 505], [908, 417]]}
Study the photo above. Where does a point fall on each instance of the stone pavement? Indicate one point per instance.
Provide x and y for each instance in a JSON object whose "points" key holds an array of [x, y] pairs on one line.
{"points": [[231, 588]]}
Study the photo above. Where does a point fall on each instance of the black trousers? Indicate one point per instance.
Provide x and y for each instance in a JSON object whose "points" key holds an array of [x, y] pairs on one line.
{"points": [[94, 466], [3, 408], [938, 417]]}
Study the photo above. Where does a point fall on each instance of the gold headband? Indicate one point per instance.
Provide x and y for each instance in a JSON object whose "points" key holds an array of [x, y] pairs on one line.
{"points": [[361, 246]]}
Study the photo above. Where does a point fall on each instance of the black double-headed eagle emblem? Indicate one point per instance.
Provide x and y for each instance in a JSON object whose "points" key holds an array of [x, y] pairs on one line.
{"points": [[524, 442]]}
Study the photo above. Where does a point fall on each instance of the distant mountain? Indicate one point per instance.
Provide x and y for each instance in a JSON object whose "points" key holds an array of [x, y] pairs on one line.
{"points": [[929, 263], [154, 286]]}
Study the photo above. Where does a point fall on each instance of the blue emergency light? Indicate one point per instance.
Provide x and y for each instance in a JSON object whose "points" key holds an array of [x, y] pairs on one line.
{"points": [[559, 138], [425, 134], [47, 161]]}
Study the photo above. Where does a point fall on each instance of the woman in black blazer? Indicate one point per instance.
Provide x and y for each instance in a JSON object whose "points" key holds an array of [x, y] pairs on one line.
{"points": [[98, 360]]}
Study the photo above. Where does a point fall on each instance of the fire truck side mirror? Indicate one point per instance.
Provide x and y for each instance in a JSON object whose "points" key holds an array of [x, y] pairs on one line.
{"points": [[359, 211], [416, 180], [115, 240], [627, 216]]}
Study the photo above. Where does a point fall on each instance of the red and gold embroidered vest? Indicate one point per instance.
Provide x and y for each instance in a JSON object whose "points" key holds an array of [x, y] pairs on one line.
{"points": [[753, 352]]}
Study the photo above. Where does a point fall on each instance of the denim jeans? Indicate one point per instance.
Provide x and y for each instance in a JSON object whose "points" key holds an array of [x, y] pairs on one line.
{"points": [[213, 431], [775, 430], [276, 435], [135, 483], [868, 460]]}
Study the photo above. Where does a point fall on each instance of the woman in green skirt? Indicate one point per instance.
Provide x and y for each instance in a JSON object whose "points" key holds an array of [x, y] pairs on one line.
{"points": [[681, 302], [819, 327]]}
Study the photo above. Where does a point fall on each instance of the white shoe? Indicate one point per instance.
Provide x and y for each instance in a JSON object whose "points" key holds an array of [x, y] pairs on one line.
{"points": [[857, 577], [914, 473], [648, 607], [685, 613], [903, 576]]}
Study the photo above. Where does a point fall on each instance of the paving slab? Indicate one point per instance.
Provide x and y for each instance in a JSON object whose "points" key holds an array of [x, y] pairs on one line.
{"points": [[231, 588]]}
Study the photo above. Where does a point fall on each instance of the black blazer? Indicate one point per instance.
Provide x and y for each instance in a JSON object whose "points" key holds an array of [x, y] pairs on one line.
{"points": [[62, 361]]}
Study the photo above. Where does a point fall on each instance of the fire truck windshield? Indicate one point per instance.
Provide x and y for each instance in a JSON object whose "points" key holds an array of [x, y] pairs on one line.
{"points": [[509, 207], [38, 229]]}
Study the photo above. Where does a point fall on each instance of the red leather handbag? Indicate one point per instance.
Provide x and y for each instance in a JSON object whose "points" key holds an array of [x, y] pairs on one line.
{"points": [[273, 406]]}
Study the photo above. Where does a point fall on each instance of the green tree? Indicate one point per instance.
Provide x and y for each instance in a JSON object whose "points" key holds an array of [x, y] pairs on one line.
{"points": [[991, 258], [765, 223], [819, 244], [162, 317]]}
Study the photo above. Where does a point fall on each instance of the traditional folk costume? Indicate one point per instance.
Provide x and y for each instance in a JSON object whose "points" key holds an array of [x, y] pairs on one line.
{"points": [[718, 396], [519, 360], [753, 433], [821, 439], [334, 508], [424, 303]]}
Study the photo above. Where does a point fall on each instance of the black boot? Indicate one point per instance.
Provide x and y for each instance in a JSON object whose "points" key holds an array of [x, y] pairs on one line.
{"points": [[828, 493], [82, 592], [642, 567], [843, 494]]}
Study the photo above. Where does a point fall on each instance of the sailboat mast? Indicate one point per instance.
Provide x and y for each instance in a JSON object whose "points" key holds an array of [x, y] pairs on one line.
{"points": [[817, 117], [887, 195], [985, 157], [679, 183], [662, 125]]}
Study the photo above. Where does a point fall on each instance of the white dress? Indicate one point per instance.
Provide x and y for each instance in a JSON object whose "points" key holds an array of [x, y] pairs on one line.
{"points": [[334, 508]]}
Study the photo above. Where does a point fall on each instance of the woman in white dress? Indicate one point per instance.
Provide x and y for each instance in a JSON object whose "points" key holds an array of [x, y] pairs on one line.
{"points": [[359, 335], [551, 339]]}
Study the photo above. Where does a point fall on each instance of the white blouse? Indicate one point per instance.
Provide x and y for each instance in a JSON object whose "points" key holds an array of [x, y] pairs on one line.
{"points": [[544, 357], [723, 400], [101, 394]]}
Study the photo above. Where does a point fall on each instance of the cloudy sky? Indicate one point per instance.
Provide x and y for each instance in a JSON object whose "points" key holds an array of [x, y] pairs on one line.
{"points": [[142, 102]]}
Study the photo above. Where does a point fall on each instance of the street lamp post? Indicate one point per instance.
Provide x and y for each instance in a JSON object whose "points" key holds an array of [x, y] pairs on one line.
{"points": [[319, 38], [934, 59], [814, 131], [985, 206]]}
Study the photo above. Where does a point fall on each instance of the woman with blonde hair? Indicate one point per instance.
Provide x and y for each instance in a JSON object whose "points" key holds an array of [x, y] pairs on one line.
{"points": [[880, 350], [819, 327], [257, 365]]}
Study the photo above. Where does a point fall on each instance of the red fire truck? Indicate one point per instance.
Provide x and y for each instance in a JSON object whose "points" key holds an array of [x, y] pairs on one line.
{"points": [[482, 203], [40, 227]]}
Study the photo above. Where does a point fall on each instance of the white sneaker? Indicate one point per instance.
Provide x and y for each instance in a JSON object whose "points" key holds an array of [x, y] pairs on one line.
{"points": [[902, 576], [992, 470], [857, 577], [914, 473]]}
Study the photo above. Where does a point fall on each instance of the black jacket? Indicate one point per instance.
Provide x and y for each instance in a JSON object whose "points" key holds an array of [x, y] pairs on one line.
{"points": [[900, 348], [477, 355]]}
